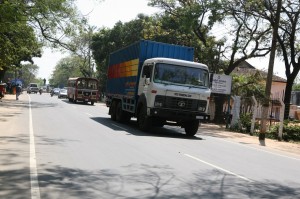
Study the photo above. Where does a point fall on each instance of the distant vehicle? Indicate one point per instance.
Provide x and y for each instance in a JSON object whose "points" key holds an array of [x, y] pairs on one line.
{"points": [[56, 91], [63, 93], [44, 89], [32, 88], [83, 89]]}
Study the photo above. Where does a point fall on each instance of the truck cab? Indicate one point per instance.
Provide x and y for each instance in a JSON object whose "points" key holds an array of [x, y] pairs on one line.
{"points": [[159, 84], [173, 91]]}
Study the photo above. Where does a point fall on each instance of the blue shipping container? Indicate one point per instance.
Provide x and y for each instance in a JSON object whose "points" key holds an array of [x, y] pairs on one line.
{"points": [[125, 64]]}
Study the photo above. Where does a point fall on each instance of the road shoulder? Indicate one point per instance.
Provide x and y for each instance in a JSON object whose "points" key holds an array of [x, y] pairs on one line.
{"points": [[279, 146]]}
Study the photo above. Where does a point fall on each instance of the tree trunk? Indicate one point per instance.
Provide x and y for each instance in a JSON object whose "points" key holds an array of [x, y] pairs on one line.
{"points": [[270, 71], [287, 97]]}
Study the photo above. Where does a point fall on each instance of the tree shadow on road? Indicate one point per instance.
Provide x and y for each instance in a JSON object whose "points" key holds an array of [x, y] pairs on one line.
{"points": [[139, 181]]}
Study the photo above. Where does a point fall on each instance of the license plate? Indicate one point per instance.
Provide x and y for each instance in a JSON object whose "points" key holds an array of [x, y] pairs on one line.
{"points": [[86, 100], [200, 117]]}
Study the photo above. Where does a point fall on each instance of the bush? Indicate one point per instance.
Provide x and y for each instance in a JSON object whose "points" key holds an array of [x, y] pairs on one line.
{"points": [[291, 131], [245, 120], [244, 124]]}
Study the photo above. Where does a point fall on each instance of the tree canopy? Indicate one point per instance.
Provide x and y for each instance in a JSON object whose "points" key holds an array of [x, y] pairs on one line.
{"points": [[66, 68], [25, 26]]}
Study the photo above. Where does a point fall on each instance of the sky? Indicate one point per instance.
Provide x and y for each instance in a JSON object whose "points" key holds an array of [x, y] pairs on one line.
{"points": [[100, 14], [105, 14]]}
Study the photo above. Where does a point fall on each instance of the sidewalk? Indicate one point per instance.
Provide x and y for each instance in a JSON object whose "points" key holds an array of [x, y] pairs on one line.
{"points": [[220, 132], [14, 147], [9, 106]]}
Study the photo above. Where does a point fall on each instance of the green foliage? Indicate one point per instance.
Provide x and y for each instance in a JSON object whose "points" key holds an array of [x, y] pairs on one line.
{"points": [[26, 25], [66, 68], [248, 85], [29, 72], [82, 52], [26, 72], [296, 87], [165, 28], [17, 37], [244, 123], [189, 23], [291, 131]]}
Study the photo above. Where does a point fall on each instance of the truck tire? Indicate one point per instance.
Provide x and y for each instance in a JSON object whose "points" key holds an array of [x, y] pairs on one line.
{"points": [[74, 100], [144, 122], [120, 114], [124, 116], [113, 110], [191, 127]]}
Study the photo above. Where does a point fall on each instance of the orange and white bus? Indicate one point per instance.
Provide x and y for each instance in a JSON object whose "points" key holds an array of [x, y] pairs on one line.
{"points": [[83, 89]]}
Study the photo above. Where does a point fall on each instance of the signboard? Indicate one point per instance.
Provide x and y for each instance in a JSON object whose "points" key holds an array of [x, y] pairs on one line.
{"points": [[221, 84]]}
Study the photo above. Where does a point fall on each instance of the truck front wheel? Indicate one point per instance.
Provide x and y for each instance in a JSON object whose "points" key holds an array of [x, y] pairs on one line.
{"points": [[74, 99], [144, 122], [191, 127]]}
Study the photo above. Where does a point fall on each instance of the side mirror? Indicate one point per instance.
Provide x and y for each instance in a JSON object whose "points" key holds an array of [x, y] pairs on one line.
{"points": [[147, 81]]}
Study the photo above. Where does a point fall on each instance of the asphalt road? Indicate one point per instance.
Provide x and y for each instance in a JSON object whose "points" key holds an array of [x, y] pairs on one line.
{"points": [[59, 149]]}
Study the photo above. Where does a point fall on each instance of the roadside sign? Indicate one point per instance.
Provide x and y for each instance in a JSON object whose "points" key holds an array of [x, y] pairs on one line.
{"points": [[221, 84]]}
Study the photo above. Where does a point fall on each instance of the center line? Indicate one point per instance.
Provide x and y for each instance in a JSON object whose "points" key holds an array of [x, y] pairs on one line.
{"points": [[219, 168], [34, 182]]}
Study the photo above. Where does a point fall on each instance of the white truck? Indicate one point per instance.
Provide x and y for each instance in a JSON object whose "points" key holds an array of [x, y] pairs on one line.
{"points": [[159, 84]]}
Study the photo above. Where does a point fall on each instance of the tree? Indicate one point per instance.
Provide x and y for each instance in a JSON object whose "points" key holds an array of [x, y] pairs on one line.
{"points": [[26, 25], [107, 40], [29, 72], [82, 50], [191, 22], [246, 39], [161, 28], [18, 41], [287, 37], [66, 68]]}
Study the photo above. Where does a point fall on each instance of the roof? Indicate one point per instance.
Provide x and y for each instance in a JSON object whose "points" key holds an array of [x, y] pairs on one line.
{"points": [[246, 68]]}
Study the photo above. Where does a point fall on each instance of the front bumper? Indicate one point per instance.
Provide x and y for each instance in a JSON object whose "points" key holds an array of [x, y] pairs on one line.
{"points": [[178, 115]]}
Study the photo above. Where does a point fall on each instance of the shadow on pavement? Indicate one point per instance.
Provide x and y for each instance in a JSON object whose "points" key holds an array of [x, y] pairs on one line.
{"points": [[139, 181], [131, 128]]}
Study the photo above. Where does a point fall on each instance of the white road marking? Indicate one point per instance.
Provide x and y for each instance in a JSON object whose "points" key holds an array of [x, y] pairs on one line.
{"points": [[262, 150], [119, 127], [34, 182], [219, 168]]}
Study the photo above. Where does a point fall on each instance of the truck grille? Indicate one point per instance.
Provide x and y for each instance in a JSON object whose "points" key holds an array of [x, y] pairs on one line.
{"points": [[179, 103]]}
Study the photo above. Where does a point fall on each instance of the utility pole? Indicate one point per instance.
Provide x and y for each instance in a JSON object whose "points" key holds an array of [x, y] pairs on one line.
{"points": [[265, 108]]}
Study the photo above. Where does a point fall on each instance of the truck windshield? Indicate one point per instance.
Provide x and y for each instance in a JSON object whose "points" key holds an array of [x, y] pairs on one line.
{"points": [[168, 73]]}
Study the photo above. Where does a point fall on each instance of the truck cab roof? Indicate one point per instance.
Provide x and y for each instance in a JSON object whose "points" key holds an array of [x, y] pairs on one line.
{"points": [[176, 62]]}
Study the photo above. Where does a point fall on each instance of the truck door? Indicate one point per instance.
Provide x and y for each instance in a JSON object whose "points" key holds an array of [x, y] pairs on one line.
{"points": [[145, 79]]}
